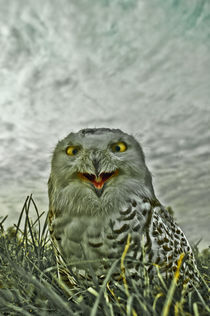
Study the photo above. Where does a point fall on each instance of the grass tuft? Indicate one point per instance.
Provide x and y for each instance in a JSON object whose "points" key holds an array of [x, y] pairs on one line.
{"points": [[29, 283]]}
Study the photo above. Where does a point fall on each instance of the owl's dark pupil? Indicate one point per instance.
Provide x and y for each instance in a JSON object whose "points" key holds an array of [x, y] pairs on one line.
{"points": [[117, 148], [74, 151]]}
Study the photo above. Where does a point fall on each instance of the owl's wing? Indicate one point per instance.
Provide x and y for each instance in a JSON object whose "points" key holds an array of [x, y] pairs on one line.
{"points": [[156, 239], [165, 242]]}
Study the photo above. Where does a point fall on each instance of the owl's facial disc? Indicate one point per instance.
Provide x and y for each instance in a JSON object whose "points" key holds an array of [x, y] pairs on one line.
{"points": [[98, 181]]}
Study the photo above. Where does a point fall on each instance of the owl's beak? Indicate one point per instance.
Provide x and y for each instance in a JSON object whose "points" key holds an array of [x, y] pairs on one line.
{"points": [[98, 180]]}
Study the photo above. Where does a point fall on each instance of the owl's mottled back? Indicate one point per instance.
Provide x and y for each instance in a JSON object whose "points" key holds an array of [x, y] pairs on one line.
{"points": [[100, 191]]}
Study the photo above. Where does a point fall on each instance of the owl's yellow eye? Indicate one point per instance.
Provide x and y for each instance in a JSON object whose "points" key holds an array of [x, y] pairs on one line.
{"points": [[119, 147], [72, 150]]}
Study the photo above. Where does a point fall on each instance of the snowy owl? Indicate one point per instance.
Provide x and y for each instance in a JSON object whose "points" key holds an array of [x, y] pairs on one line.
{"points": [[101, 192]]}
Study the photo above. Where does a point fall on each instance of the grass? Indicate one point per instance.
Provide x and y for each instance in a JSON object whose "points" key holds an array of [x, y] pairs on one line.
{"points": [[29, 283]]}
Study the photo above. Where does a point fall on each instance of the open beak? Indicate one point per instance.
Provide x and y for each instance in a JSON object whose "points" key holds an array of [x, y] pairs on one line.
{"points": [[98, 181]]}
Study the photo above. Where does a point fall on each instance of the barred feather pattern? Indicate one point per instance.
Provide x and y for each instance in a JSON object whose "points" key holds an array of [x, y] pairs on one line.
{"points": [[153, 232]]}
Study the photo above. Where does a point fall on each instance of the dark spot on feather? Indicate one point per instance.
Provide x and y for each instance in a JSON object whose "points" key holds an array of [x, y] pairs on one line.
{"points": [[155, 233], [166, 239], [111, 237], [134, 203], [169, 265], [176, 243], [157, 260], [167, 248], [160, 242], [126, 212], [144, 212], [95, 245], [131, 216], [122, 229], [136, 228], [170, 257], [160, 230]]}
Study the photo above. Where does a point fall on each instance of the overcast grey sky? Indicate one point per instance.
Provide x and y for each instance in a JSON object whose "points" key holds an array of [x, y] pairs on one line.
{"points": [[142, 66]]}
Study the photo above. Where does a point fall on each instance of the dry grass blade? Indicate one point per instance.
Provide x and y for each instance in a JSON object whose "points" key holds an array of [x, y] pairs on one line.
{"points": [[172, 288], [122, 266], [29, 286], [21, 215], [102, 289], [38, 216]]}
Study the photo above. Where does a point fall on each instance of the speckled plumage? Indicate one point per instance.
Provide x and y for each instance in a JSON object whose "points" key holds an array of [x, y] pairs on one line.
{"points": [[91, 224]]}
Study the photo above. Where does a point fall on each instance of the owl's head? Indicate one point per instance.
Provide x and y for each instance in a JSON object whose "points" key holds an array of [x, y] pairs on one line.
{"points": [[97, 168]]}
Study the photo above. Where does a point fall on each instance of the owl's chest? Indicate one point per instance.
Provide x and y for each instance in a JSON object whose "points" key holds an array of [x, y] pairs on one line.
{"points": [[98, 237], [84, 238]]}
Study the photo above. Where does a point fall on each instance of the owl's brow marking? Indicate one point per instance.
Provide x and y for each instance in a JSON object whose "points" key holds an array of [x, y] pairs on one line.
{"points": [[98, 131]]}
